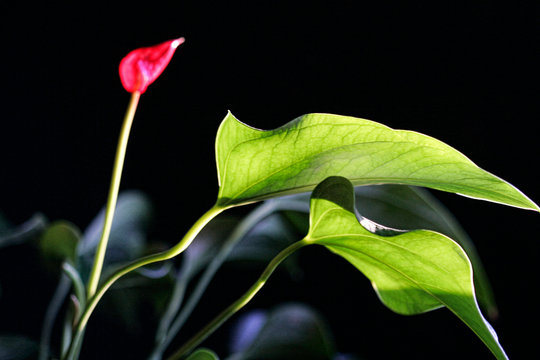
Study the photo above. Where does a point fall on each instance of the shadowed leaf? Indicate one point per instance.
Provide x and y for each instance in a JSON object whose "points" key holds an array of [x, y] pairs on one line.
{"points": [[290, 331]]}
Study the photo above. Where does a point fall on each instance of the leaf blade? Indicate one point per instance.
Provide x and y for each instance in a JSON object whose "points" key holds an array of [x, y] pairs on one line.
{"points": [[412, 272], [410, 208], [254, 164]]}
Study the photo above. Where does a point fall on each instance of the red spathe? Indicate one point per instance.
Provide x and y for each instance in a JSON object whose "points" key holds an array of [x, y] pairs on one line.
{"points": [[142, 66]]}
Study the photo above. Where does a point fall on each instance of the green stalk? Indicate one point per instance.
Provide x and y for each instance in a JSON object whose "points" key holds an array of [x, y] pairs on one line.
{"points": [[113, 194], [162, 256], [170, 325], [78, 285], [238, 304]]}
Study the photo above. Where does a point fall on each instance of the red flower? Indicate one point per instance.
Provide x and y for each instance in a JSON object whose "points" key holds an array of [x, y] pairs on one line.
{"points": [[141, 67]]}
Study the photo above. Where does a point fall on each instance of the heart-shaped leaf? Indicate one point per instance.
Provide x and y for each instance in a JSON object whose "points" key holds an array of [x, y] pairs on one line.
{"points": [[412, 271], [255, 164], [409, 207]]}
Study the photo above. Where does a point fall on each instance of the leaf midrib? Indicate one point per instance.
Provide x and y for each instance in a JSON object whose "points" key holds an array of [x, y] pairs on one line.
{"points": [[314, 154]]}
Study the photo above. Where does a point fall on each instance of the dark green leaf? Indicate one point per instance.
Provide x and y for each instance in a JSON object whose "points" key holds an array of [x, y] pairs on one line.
{"points": [[128, 233], [265, 240], [290, 331], [60, 240]]}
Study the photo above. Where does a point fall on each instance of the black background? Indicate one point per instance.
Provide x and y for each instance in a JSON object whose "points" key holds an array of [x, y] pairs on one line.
{"points": [[463, 72]]}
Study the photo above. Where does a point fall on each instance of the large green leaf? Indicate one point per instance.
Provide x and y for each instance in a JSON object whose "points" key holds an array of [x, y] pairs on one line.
{"points": [[255, 164], [411, 208], [412, 271]]}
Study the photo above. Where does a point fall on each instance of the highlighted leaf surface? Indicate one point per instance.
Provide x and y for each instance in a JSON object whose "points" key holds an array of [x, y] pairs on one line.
{"points": [[412, 271], [255, 164]]}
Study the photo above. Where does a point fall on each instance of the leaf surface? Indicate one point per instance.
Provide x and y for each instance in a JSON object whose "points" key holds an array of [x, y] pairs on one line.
{"points": [[255, 164], [412, 271], [411, 208]]}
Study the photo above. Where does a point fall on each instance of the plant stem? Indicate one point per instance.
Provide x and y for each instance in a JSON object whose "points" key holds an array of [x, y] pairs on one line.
{"points": [[53, 309], [162, 256], [113, 194], [238, 304], [77, 282], [169, 328]]}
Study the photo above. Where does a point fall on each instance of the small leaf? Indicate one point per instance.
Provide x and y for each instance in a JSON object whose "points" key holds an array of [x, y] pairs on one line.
{"points": [[60, 240], [203, 354], [291, 331], [255, 164], [412, 271]]}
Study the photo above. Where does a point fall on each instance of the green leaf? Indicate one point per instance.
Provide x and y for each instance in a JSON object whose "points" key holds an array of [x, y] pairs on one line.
{"points": [[255, 164], [60, 240], [410, 208], [203, 354], [412, 271]]}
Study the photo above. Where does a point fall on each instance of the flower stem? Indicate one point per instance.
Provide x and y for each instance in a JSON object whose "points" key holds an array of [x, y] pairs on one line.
{"points": [[162, 256], [113, 194], [239, 303]]}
